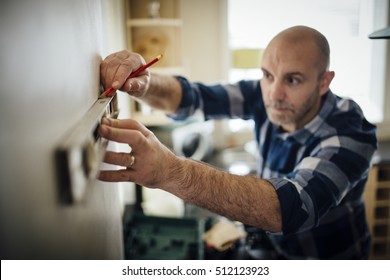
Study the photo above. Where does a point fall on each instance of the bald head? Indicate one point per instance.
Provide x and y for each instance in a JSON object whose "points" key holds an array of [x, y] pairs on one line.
{"points": [[295, 76], [303, 36]]}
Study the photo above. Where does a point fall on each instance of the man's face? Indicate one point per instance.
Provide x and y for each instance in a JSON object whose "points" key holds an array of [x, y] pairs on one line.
{"points": [[292, 84]]}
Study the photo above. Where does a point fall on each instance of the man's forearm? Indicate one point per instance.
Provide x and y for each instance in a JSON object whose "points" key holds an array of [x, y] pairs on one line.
{"points": [[247, 199], [164, 93]]}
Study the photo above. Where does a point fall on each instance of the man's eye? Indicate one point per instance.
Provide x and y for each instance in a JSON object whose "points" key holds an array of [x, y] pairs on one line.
{"points": [[293, 80], [267, 75]]}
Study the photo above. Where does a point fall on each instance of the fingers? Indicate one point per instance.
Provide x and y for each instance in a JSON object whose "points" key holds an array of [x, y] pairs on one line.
{"points": [[127, 124], [124, 175], [108, 69], [121, 159], [117, 67], [137, 86], [143, 164], [134, 138], [125, 68]]}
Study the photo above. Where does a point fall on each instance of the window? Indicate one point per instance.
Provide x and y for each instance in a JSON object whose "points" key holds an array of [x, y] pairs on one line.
{"points": [[359, 62]]}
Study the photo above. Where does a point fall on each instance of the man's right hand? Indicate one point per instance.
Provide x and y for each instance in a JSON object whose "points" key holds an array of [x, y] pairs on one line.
{"points": [[117, 67]]}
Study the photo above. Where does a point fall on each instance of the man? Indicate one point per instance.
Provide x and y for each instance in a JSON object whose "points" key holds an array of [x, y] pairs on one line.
{"points": [[315, 148]]}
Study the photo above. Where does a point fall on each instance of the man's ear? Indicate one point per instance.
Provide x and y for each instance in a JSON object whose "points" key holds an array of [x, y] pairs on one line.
{"points": [[325, 81]]}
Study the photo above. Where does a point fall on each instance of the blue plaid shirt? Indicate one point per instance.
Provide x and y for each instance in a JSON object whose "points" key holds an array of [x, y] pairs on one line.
{"points": [[319, 171]]}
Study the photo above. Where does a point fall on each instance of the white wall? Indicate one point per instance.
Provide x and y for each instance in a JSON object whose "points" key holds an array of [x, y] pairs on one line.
{"points": [[49, 77], [384, 127]]}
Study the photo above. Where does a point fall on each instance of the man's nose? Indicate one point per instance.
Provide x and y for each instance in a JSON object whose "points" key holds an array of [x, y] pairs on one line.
{"points": [[277, 91]]}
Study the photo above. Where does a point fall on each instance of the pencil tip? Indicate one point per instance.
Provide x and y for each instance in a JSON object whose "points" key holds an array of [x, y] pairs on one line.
{"points": [[108, 91], [159, 56]]}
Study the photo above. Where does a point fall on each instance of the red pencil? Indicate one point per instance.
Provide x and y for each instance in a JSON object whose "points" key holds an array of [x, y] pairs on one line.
{"points": [[136, 72]]}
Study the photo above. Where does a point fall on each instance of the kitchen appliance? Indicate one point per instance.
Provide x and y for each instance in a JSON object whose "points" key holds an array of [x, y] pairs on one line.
{"points": [[193, 140], [190, 139]]}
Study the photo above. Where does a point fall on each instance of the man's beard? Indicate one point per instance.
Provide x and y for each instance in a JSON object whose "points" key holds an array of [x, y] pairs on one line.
{"points": [[291, 115]]}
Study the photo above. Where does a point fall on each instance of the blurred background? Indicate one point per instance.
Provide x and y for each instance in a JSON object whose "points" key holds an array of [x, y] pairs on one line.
{"points": [[50, 52]]}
